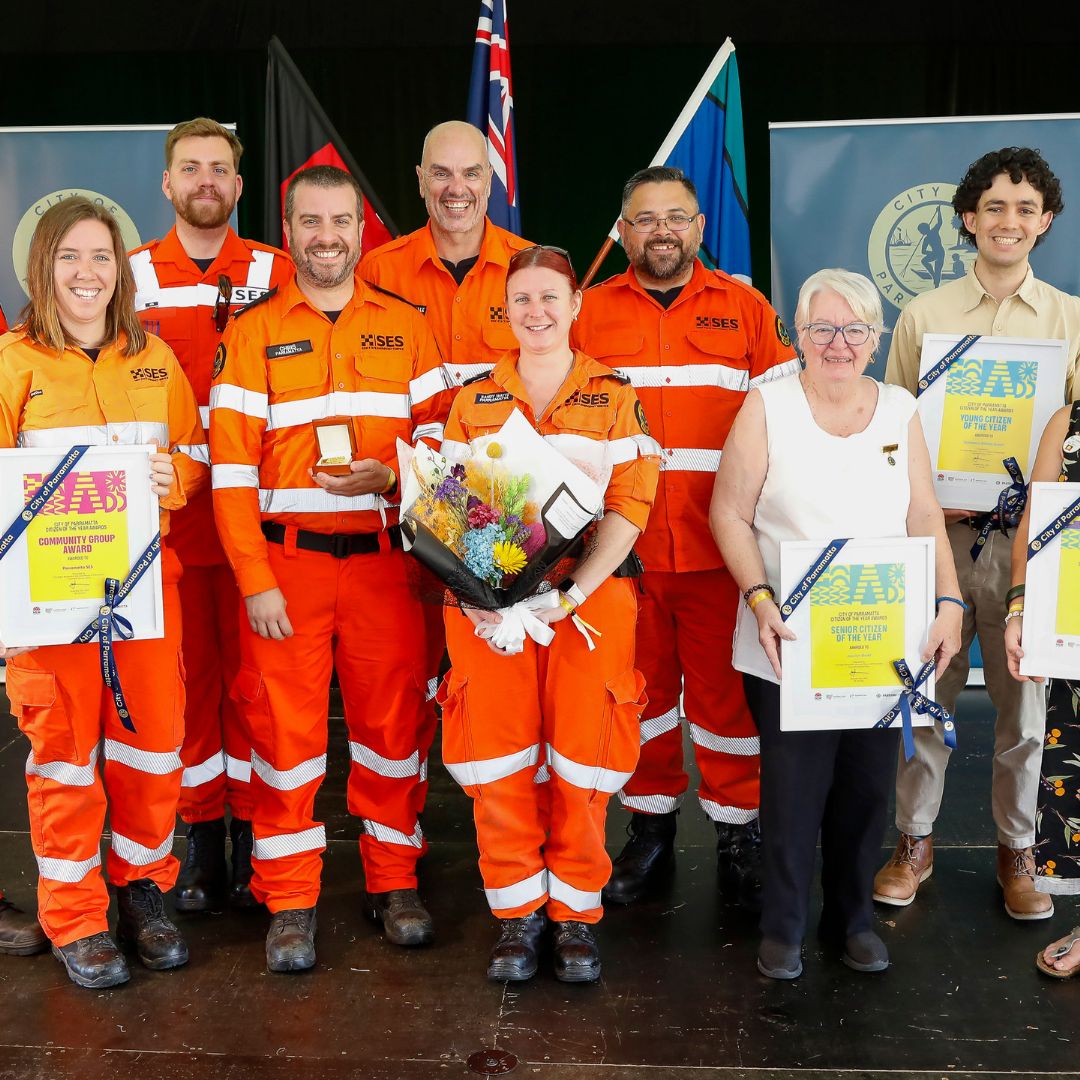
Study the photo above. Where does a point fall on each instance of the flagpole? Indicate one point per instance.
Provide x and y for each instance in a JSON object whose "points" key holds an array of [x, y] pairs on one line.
{"points": [[605, 251]]}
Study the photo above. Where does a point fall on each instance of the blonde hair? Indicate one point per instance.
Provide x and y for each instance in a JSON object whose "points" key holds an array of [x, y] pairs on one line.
{"points": [[202, 127], [41, 317]]}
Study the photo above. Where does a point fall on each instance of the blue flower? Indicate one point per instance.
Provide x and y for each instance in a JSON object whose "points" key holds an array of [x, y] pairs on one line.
{"points": [[479, 551]]}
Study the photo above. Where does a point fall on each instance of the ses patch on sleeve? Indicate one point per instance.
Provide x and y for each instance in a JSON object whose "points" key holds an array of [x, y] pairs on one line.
{"points": [[219, 361], [639, 412], [782, 334]]}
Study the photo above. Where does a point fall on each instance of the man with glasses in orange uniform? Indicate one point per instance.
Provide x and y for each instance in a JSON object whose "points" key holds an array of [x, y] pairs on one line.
{"points": [[693, 342]]}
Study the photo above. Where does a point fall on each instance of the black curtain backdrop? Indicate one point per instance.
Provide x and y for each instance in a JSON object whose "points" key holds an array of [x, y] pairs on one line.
{"points": [[597, 83]]}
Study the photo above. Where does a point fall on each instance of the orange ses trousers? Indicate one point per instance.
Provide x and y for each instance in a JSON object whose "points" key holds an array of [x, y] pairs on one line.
{"points": [[540, 741], [69, 716]]}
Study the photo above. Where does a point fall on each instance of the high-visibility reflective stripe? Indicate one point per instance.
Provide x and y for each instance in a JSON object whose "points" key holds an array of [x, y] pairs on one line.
{"points": [[432, 688], [395, 768], [124, 433], [453, 450], [428, 431], [199, 452], [204, 416], [385, 835], [262, 266], [423, 770], [779, 371], [63, 772], [745, 747], [249, 402], [285, 844], [284, 414], [521, 892], [288, 779], [460, 372], [658, 725], [149, 291], [204, 772], [428, 385], [314, 501], [542, 775], [717, 375], [69, 870], [234, 476], [588, 777], [238, 769], [688, 459], [488, 770], [633, 447], [145, 761], [131, 851], [651, 804], [729, 815], [575, 899]]}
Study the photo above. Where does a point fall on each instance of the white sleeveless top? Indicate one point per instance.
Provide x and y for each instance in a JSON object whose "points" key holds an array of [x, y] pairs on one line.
{"points": [[821, 486]]}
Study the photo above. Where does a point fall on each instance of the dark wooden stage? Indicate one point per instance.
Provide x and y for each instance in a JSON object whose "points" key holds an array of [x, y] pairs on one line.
{"points": [[680, 996]]}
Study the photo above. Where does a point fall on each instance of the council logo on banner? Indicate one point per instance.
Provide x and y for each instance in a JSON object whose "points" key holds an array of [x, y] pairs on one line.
{"points": [[20, 244], [916, 245]]}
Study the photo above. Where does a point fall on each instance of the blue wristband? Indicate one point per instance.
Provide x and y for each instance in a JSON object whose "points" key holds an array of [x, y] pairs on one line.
{"points": [[950, 600]]}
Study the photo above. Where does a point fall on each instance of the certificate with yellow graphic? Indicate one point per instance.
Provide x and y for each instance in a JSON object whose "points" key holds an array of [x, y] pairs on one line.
{"points": [[872, 605], [992, 403], [1051, 627], [95, 526]]}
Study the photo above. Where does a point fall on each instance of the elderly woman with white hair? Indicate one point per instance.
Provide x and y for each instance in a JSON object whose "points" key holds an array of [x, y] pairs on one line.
{"points": [[828, 452]]}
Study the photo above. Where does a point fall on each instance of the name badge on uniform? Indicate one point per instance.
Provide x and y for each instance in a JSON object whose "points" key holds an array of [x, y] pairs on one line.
{"points": [[490, 399], [292, 348]]}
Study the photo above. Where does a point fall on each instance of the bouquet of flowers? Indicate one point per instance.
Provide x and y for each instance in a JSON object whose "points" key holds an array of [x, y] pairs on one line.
{"points": [[494, 518]]}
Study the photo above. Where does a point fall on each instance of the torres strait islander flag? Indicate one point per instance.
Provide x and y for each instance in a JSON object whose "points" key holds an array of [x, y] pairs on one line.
{"points": [[491, 109], [299, 134]]}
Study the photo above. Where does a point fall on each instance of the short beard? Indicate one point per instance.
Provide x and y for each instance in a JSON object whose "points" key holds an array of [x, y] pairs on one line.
{"points": [[322, 277], [665, 271], [210, 216]]}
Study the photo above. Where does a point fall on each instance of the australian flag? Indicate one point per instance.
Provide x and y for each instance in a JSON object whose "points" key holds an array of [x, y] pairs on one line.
{"points": [[491, 109]]}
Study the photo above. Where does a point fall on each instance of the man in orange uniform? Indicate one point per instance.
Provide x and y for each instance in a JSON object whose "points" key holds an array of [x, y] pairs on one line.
{"points": [[187, 285], [693, 342], [318, 561]]}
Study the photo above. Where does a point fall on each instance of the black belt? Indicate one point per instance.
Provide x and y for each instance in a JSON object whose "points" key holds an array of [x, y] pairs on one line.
{"points": [[340, 545]]}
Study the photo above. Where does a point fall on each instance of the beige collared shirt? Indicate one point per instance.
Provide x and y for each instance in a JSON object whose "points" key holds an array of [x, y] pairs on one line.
{"points": [[1035, 310]]}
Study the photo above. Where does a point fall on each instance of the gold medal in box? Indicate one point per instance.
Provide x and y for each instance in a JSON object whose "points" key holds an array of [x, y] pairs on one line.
{"points": [[336, 445]]}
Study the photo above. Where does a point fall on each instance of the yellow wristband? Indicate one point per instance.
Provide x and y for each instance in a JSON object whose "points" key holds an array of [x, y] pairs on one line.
{"points": [[566, 603], [392, 482], [762, 594]]}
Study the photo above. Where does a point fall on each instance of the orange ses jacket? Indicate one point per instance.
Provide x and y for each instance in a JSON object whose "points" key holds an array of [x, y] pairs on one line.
{"points": [[61, 401], [283, 364]]}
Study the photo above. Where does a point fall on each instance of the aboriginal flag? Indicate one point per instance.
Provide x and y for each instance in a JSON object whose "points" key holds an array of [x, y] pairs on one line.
{"points": [[299, 134]]}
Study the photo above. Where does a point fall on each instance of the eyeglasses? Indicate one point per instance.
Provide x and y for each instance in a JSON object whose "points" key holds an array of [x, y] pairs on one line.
{"points": [[221, 304], [854, 333], [647, 223]]}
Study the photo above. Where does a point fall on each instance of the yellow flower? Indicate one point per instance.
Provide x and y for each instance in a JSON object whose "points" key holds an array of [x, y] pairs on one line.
{"points": [[1056, 732], [509, 558], [1051, 865], [494, 450]]}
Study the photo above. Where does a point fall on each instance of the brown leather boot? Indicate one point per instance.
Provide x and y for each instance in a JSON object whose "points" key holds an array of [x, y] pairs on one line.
{"points": [[20, 934], [1016, 876], [911, 864]]}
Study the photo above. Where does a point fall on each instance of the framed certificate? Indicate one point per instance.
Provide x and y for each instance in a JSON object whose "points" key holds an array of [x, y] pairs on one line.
{"points": [[95, 526], [871, 605], [991, 404], [1051, 631]]}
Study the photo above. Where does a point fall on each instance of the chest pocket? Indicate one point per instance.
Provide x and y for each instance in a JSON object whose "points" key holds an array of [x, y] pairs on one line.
{"points": [[293, 373], [390, 366], [498, 336], [613, 343], [56, 405], [594, 421], [723, 363], [150, 403]]}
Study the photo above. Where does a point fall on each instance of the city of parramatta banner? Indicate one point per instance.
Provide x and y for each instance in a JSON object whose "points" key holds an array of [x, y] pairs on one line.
{"points": [[120, 167], [875, 196]]}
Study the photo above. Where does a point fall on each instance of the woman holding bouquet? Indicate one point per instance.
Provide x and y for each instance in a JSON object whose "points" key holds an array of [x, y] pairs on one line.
{"points": [[541, 739], [80, 369]]}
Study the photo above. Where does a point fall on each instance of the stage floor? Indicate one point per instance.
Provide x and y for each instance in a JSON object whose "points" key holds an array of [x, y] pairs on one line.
{"points": [[680, 996]]}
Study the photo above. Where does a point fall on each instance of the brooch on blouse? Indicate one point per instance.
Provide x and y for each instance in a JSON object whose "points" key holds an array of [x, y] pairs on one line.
{"points": [[890, 450]]}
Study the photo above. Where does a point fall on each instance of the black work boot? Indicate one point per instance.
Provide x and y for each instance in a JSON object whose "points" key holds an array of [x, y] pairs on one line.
{"points": [[143, 924], [243, 842], [577, 956], [404, 918], [515, 956], [290, 941], [648, 854], [738, 862], [20, 934], [93, 962], [203, 876]]}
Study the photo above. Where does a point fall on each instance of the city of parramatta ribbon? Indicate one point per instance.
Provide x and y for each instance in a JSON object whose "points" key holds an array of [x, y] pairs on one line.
{"points": [[1063, 520], [943, 365], [109, 626], [911, 700], [40, 497], [1009, 509], [820, 565]]}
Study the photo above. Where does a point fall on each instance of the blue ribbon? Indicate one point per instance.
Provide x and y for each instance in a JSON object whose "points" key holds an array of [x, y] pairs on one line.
{"points": [[1009, 509], [912, 701], [945, 363], [40, 497], [109, 625], [830, 551], [1065, 518]]}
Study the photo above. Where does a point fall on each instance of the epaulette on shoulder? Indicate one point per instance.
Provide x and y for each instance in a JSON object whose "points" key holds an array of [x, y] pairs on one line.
{"points": [[255, 303], [476, 378], [387, 292], [606, 281]]}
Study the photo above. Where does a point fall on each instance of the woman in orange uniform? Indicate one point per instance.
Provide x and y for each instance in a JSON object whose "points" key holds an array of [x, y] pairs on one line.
{"points": [[540, 740], [81, 369]]}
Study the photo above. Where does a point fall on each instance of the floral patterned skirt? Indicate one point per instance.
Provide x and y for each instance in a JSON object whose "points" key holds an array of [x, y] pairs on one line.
{"points": [[1057, 821]]}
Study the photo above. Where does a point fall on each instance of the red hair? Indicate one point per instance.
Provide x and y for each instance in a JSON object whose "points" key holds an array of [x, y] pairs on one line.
{"points": [[550, 258]]}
